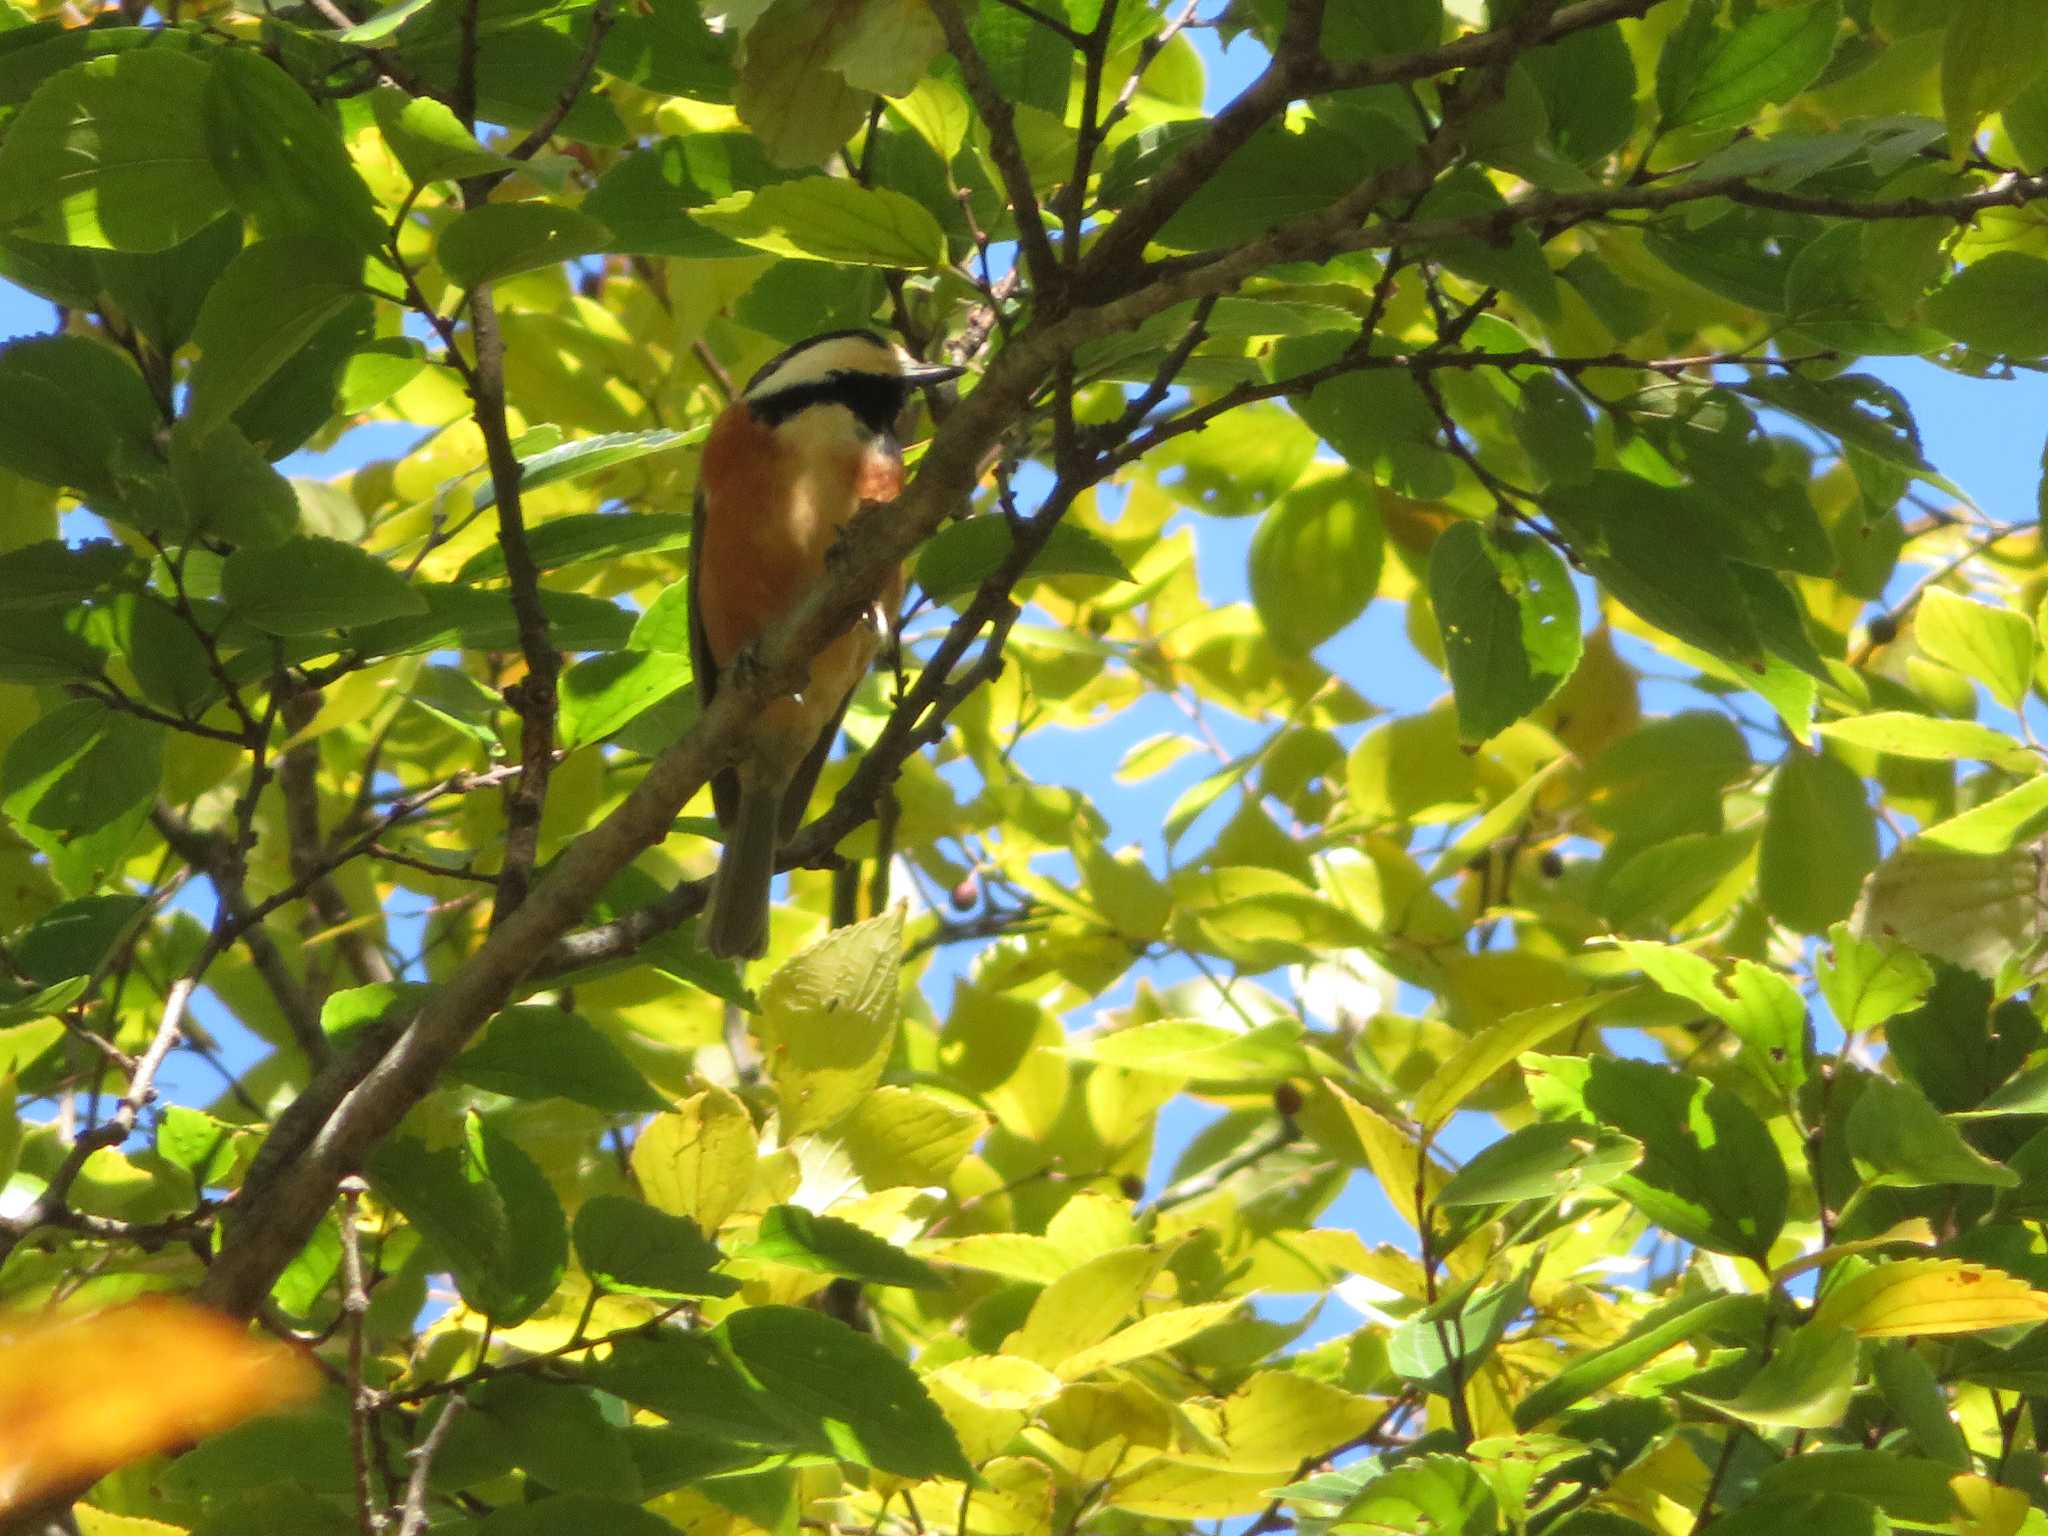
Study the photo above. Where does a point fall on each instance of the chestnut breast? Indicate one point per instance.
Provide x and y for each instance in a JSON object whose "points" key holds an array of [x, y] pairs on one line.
{"points": [[775, 499]]}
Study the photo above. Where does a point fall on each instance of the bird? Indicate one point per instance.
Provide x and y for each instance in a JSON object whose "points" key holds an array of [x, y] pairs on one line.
{"points": [[808, 443]]}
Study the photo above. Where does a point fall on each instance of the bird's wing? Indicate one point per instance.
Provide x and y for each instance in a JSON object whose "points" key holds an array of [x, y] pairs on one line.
{"points": [[725, 786]]}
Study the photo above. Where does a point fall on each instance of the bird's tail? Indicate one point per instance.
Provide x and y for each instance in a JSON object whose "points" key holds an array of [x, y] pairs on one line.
{"points": [[737, 926]]}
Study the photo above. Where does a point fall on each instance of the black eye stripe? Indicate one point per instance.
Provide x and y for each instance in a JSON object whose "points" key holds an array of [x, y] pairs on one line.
{"points": [[875, 399]]}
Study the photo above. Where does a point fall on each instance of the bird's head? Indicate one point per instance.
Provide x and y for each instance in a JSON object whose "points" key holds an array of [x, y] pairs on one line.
{"points": [[852, 371]]}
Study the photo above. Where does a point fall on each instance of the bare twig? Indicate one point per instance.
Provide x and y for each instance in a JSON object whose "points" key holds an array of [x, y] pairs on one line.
{"points": [[413, 1517], [362, 1404]]}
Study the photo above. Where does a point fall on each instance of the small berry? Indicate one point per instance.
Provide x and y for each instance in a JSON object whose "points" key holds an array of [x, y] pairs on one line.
{"points": [[1883, 630], [965, 895], [1287, 1100], [1551, 864]]}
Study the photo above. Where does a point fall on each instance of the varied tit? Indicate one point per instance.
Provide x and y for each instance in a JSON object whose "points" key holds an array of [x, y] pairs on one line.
{"points": [[786, 467]]}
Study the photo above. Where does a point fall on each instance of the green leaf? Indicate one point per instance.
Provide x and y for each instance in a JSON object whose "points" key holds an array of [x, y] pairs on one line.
{"points": [[556, 1513], [1867, 983], [1820, 840], [873, 1409], [1904, 1487], [1655, 551], [383, 23], [272, 300], [74, 413], [499, 239], [483, 621], [825, 1245], [1315, 561], [1998, 303], [1433, 1492], [429, 139], [79, 768], [962, 555], [1710, 1172], [1924, 736], [200, 1144], [1686, 1317], [604, 693], [1898, 1137], [1509, 617], [490, 1212], [1995, 826], [830, 218], [638, 1251], [1771, 57], [537, 1052], [559, 1434], [1192, 1050], [800, 111], [310, 586], [1995, 646], [1805, 1385], [229, 489], [52, 574], [584, 538], [1458, 1333], [72, 940], [1992, 52], [1914, 1394], [280, 157], [306, 1449], [159, 292], [112, 153], [1542, 1162], [828, 1019]]}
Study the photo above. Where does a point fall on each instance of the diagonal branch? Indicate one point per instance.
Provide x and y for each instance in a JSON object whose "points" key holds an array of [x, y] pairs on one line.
{"points": [[1008, 152]]}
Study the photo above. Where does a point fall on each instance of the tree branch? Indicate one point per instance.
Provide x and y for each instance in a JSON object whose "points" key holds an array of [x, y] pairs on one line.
{"points": [[1047, 277]]}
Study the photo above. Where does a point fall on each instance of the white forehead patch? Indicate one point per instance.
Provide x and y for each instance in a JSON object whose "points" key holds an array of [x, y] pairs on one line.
{"points": [[836, 354]]}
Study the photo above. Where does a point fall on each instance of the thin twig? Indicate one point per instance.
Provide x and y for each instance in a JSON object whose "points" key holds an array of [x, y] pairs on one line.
{"points": [[362, 1404]]}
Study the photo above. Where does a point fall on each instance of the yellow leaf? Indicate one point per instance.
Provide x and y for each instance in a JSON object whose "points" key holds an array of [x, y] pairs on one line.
{"points": [[698, 1160], [80, 1396], [1175, 1489], [1487, 1052], [1932, 1296], [97, 1522], [828, 1019], [1983, 1508], [1393, 1156], [909, 1136], [1013, 1255], [1147, 1336], [1084, 1306], [1278, 1418]]}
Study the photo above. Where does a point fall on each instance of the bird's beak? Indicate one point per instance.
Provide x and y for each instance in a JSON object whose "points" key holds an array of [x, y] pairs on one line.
{"points": [[931, 373]]}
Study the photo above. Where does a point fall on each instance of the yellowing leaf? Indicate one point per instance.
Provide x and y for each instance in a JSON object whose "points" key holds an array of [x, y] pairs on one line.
{"points": [[827, 218], [828, 1018], [698, 1161], [1084, 1306], [1931, 1296], [1175, 1489], [1393, 1156], [1147, 1336], [1278, 1418], [1983, 1508], [1487, 1052], [909, 1136], [80, 1396]]}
